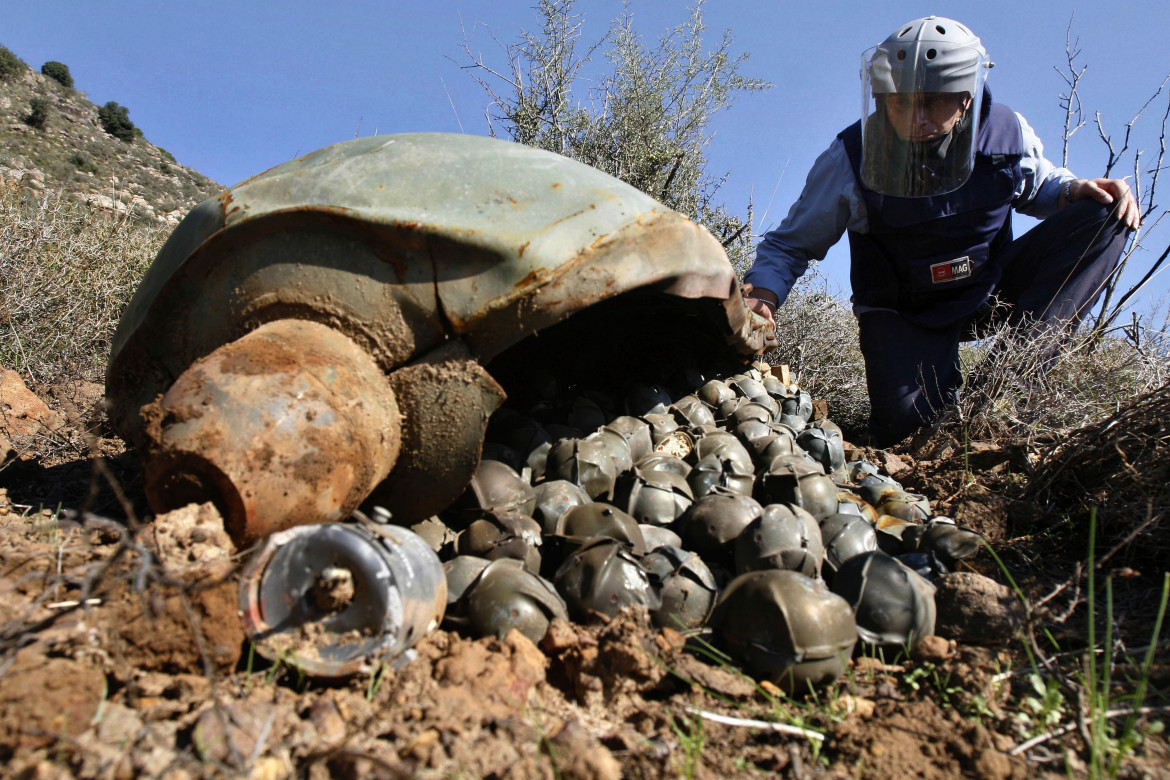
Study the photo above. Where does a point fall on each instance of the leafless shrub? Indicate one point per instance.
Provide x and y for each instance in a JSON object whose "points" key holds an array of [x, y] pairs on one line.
{"points": [[67, 271], [817, 339], [1126, 151], [1041, 384]]}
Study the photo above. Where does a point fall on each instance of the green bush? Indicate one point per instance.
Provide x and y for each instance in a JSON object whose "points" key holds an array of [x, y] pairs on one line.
{"points": [[115, 120], [59, 72], [10, 64], [38, 113], [81, 163]]}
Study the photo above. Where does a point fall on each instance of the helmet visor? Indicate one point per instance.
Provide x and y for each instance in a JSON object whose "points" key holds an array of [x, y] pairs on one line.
{"points": [[920, 118]]}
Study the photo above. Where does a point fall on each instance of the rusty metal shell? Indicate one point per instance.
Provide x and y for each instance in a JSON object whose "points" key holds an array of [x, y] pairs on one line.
{"points": [[783, 537], [507, 596], [291, 424], [601, 578], [495, 487], [689, 589], [433, 254], [410, 239], [653, 497]]}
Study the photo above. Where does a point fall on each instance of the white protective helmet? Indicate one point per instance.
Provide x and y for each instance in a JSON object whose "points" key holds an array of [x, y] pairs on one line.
{"points": [[937, 67]]}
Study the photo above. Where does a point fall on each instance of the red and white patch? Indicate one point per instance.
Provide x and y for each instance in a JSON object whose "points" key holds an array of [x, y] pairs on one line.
{"points": [[950, 270]]}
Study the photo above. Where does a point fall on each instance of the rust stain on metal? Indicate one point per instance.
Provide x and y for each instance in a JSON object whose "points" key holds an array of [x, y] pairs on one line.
{"points": [[568, 217], [227, 206], [535, 277], [520, 252], [288, 425]]}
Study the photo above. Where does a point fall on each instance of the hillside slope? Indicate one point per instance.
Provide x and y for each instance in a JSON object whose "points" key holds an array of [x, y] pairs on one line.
{"points": [[72, 153]]}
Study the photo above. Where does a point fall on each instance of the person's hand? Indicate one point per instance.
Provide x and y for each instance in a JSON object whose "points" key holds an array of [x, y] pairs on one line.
{"points": [[762, 302], [1109, 191]]}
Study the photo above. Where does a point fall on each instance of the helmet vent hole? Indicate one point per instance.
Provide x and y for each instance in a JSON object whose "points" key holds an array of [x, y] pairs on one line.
{"points": [[931, 54], [903, 32], [902, 55], [942, 30]]}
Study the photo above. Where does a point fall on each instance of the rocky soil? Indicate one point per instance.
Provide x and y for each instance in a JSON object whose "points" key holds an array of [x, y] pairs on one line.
{"points": [[123, 655]]}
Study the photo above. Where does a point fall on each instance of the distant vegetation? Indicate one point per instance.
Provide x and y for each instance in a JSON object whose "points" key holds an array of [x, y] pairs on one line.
{"points": [[10, 64], [59, 72], [115, 120], [38, 113]]}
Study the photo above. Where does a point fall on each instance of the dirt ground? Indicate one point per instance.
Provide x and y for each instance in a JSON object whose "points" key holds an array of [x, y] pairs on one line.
{"points": [[122, 655]]}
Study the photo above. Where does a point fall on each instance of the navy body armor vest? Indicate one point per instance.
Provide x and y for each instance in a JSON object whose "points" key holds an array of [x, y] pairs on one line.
{"points": [[934, 259]]}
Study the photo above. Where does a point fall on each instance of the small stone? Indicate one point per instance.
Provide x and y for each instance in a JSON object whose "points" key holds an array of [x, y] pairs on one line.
{"points": [[192, 541], [580, 755], [932, 649], [560, 636], [420, 747], [669, 639], [230, 728], [119, 724], [269, 768], [771, 689], [22, 413], [895, 464], [327, 720], [715, 679], [854, 705], [334, 589]]}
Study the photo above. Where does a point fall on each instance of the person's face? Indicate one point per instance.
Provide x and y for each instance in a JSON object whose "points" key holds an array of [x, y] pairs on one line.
{"points": [[924, 116]]}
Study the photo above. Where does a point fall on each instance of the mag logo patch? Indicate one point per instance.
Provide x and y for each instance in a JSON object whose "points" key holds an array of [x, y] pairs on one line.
{"points": [[950, 270]]}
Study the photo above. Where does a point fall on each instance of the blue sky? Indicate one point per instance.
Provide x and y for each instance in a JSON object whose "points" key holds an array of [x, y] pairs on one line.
{"points": [[233, 89]]}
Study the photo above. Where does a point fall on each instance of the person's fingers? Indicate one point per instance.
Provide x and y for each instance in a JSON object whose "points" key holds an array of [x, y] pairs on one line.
{"points": [[1129, 214], [1110, 192], [1128, 211], [1098, 192], [760, 307]]}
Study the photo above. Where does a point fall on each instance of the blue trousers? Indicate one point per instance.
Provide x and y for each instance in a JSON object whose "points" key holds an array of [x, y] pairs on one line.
{"points": [[1053, 274]]}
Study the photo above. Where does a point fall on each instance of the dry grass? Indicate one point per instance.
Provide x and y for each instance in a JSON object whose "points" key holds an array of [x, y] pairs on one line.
{"points": [[1035, 388], [817, 335], [1119, 466], [1043, 385], [66, 273]]}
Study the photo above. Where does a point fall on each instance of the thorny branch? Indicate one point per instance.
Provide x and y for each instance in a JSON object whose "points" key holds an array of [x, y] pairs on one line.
{"points": [[1070, 101]]}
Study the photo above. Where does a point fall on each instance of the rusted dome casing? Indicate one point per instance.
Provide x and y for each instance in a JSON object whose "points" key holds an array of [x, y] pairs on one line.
{"points": [[432, 254]]}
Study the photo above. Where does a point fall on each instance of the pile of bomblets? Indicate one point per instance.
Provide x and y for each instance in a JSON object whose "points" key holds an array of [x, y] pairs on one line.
{"points": [[729, 512]]}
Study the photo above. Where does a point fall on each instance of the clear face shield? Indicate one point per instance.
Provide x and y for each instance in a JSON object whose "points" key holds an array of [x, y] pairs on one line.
{"points": [[920, 117]]}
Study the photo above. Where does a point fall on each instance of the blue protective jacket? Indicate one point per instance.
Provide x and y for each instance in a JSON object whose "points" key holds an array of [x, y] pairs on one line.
{"points": [[833, 202]]}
